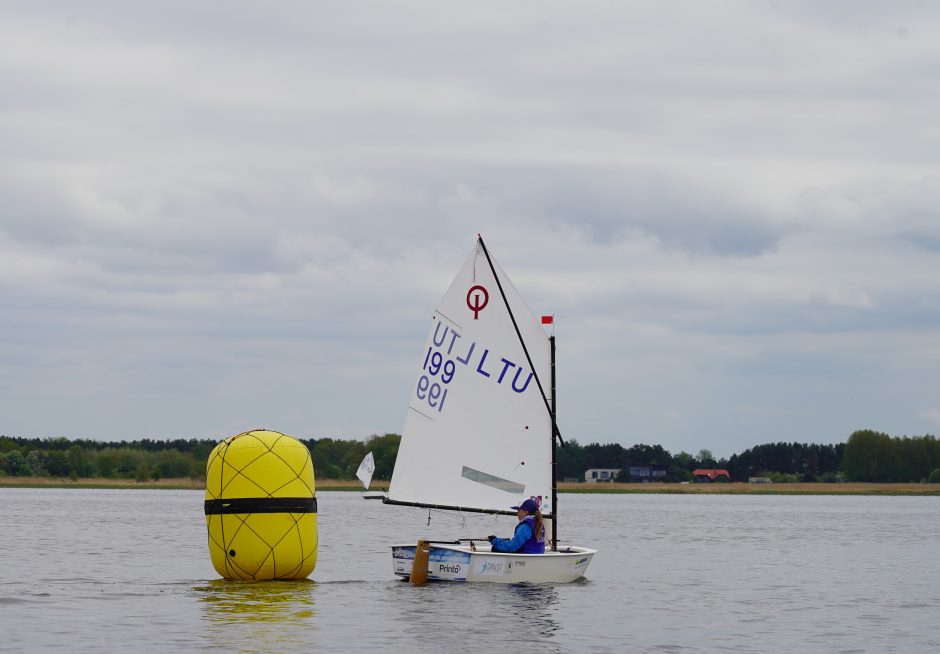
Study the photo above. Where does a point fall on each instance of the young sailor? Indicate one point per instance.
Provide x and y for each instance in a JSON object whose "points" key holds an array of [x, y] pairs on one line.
{"points": [[529, 537]]}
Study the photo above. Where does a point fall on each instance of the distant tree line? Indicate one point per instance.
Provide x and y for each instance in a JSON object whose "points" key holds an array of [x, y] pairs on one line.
{"points": [[574, 459], [780, 462], [783, 462], [339, 459], [149, 459], [873, 456], [867, 456], [141, 460]]}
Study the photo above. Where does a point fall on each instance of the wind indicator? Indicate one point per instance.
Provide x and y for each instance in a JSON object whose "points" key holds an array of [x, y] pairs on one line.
{"points": [[366, 470]]}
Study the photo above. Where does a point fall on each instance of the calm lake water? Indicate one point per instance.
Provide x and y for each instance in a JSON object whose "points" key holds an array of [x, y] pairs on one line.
{"points": [[115, 570]]}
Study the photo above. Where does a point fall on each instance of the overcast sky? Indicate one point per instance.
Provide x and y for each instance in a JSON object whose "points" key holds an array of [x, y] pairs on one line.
{"points": [[216, 216]]}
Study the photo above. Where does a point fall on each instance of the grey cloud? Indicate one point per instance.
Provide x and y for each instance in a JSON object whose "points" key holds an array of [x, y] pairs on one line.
{"points": [[678, 215], [247, 214]]}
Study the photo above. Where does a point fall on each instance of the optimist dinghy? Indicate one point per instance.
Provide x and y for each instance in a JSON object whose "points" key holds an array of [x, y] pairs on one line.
{"points": [[480, 431]]}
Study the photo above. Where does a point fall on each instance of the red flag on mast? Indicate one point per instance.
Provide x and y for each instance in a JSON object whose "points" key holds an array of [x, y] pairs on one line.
{"points": [[548, 320]]}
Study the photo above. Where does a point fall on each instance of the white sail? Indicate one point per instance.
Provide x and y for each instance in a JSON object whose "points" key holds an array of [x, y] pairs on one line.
{"points": [[477, 434], [366, 470]]}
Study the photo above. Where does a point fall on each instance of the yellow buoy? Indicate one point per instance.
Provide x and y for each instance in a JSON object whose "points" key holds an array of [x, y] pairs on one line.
{"points": [[261, 507]]}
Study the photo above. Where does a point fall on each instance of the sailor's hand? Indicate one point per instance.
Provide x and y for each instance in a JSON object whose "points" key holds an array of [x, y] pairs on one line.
{"points": [[491, 538]]}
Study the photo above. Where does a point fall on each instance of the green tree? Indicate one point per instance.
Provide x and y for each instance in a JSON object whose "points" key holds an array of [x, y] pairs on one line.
{"points": [[860, 461], [384, 451], [705, 459], [174, 464], [143, 472], [874, 456], [79, 462], [106, 464], [16, 464], [57, 463], [571, 460], [36, 462], [127, 461]]}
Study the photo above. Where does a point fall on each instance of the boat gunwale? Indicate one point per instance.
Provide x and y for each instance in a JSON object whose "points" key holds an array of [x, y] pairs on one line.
{"points": [[569, 550]]}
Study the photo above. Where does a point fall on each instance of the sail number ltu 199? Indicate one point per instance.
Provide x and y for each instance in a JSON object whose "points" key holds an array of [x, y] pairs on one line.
{"points": [[433, 392], [440, 367]]}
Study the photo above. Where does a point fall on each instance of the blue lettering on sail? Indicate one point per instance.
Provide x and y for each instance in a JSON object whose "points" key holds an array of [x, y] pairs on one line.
{"points": [[437, 329], [439, 339], [507, 364], [515, 387], [453, 340], [466, 359], [480, 365], [432, 387], [440, 367]]}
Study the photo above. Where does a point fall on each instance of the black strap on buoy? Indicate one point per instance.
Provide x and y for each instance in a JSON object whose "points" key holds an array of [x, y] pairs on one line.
{"points": [[262, 505]]}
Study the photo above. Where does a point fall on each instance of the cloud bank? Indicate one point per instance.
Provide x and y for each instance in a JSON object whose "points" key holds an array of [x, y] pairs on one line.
{"points": [[219, 216]]}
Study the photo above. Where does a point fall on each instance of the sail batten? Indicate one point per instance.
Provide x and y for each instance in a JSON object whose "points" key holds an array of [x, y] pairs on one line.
{"points": [[492, 481], [477, 433]]}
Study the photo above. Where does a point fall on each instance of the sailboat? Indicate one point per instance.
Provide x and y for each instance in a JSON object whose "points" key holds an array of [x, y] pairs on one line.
{"points": [[480, 432]]}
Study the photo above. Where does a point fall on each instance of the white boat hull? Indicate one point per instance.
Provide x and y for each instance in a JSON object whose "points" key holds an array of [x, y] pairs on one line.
{"points": [[460, 563]]}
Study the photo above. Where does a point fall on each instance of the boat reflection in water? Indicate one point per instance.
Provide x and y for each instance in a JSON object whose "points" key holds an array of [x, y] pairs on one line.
{"points": [[523, 614]]}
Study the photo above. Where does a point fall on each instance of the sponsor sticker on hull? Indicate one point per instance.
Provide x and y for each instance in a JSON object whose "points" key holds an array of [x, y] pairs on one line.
{"points": [[492, 567], [402, 558], [403, 553], [448, 564], [442, 564]]}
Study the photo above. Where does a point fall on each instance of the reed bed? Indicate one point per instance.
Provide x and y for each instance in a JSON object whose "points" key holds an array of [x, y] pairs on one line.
{"points": [[736, 488]]}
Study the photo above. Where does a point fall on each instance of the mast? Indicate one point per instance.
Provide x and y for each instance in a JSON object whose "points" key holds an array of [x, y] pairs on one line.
{"points": [[551, 339]]}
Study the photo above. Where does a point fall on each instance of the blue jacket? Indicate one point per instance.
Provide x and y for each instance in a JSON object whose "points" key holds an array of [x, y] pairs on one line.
{"points": [[522, 540]]}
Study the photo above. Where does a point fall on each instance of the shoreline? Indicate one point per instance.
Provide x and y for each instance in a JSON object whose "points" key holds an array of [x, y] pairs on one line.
{"points": [[741, 488], [734, 488], [181, 483]]}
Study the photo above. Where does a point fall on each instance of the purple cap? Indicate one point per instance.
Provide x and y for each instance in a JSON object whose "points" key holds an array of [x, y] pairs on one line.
{"points": [[529, 506]]}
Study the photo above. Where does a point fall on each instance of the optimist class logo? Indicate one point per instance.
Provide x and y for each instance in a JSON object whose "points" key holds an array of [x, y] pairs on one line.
{"points": [[477, 299]]}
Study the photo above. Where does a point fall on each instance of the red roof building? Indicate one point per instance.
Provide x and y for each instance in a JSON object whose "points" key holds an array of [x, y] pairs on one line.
{"points": [[710, 475]]}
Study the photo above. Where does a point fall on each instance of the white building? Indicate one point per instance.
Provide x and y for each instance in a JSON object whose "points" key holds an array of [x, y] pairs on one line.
{"points": [[595, 475]]}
